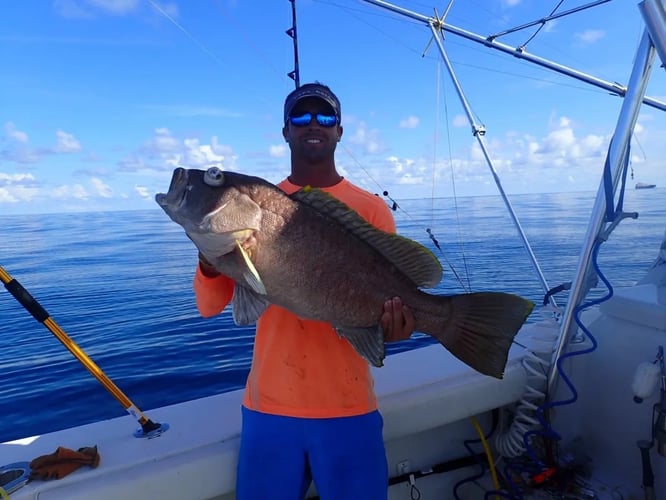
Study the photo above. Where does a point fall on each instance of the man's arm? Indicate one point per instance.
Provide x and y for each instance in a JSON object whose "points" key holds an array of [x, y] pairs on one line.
{"points": [[212, 290]]}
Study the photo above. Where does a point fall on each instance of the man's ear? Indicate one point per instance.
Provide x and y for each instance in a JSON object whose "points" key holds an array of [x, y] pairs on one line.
{"points": [[340, 130], [284, 133]]}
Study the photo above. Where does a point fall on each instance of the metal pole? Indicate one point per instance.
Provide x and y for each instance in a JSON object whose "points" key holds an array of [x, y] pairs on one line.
{"points": [[479, 132], [654, 15], [619, 146], [613, 88]]}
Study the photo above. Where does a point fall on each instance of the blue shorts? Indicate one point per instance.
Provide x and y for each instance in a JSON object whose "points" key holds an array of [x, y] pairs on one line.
{"points": [[280, 456]]}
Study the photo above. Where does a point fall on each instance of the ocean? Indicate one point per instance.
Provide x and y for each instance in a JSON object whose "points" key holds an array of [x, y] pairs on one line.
{"points": [[120, 285]]}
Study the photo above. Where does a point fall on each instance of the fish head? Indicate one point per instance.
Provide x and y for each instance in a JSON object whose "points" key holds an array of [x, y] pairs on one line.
{"points": [[215, 208]]}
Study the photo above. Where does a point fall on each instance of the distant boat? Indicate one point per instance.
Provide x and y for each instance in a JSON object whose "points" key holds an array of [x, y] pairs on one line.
{"points": [[644, 185]]}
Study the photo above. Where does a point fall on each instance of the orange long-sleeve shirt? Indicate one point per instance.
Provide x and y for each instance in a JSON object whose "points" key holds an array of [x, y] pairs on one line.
{"points": [[303, 368]]}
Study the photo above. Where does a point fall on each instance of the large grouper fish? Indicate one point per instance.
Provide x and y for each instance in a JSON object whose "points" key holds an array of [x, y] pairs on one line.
{"points": [[313, 255]]}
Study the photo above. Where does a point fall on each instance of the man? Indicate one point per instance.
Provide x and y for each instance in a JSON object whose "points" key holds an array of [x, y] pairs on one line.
{"points": [[309, 409]]}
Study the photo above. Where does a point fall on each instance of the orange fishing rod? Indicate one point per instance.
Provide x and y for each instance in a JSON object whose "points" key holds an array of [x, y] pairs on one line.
{"points": [[148, 427]]}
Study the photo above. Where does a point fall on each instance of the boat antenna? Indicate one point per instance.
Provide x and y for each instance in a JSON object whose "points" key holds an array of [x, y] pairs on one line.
{"points": [[292, 33]]}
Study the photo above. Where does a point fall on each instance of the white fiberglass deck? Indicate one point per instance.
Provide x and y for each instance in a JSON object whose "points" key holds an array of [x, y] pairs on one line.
{"points": [[196, 458]]}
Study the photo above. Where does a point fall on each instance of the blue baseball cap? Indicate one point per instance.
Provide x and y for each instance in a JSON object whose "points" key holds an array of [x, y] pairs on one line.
{"points": [[317, 90]]}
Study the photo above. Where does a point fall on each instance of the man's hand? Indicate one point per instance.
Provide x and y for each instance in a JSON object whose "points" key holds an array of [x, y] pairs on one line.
{"points": [[397, 320], [206, 267]]}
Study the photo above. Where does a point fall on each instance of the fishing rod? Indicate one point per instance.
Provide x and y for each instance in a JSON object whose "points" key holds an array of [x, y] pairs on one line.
{"points": [[149, 429], [293, 34]]}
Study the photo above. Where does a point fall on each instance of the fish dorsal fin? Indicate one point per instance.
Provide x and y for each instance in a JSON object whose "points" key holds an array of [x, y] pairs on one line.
{"points": [[413, 259]]}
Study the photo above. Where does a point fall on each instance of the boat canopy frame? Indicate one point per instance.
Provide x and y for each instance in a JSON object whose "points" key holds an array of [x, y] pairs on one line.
{"points": [[603, 218]]}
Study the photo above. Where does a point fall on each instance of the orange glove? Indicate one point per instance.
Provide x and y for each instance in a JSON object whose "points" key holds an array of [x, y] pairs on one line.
{"points": [[62, 462]]}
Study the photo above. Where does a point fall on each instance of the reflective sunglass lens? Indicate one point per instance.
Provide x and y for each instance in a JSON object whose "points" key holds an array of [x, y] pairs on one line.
{"points": [[326, 120], [306, 118], [301, 120]]}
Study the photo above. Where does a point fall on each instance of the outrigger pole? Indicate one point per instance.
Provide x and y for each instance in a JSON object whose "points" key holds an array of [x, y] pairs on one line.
{"points": [[149, 429], [293, 34], [519, 52], [478, 131]]}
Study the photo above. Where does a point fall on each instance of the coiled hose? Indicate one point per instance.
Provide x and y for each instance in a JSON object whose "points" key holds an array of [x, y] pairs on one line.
{"points": [[536, 362]]}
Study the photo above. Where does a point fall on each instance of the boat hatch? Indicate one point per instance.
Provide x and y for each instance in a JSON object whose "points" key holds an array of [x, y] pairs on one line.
{"points": [[13, 476]]}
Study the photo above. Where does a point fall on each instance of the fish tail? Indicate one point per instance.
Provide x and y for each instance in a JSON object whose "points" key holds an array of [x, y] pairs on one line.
{"points": [[480, 328]]}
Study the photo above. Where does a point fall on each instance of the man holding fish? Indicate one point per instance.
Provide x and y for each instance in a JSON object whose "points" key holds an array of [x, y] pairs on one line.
{"points": [[316, 264], [309, 407]]}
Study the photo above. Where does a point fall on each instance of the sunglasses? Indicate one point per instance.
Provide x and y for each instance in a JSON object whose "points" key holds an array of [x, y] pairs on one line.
{"points": [[322, 119]]}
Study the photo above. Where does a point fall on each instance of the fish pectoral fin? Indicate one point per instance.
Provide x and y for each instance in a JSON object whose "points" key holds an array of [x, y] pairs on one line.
{"points": [[251, 275], [247, 305], [368, 342]]}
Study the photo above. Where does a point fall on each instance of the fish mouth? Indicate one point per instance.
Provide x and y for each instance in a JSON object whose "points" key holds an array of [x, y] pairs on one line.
{"points": [[174, 198], [174, 203]]}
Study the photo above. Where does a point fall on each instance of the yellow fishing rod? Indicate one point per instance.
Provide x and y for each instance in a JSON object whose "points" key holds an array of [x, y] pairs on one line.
{"points": [[148, 428]]}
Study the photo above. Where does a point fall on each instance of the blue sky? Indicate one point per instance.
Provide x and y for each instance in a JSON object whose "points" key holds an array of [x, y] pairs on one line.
{"points": [[102, 99]]}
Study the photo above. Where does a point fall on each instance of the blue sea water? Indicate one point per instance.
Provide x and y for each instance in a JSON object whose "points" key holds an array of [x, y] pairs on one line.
{"points": [[120, 285]]}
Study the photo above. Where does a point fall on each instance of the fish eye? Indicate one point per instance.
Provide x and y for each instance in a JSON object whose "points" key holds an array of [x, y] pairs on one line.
{"points": [[214, 177]]}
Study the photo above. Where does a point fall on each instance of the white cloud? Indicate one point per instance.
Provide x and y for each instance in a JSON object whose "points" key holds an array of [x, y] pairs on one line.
{"points": [[66, 143], [220, 149], [409, 122], [102, 189], [562, 143], [590, 36], [163, 142], [86, 9], [367, 139], [143, 192], [6, 196], [71, 9], [23, 155], [170, 8], [165, 152], [20, 151], [409, 179], [132, 163], [278, 151], [12, 133], [18, 193], [65, 192], [190, 111], [200, 155], [15, 188], [118, 7], [7, 179], [460, 121]]}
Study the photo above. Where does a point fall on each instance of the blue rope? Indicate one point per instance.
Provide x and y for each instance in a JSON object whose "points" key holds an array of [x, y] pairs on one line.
{"points": [[612, 211], [547, 430]]}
